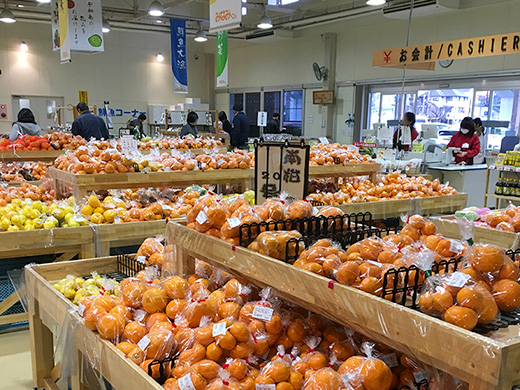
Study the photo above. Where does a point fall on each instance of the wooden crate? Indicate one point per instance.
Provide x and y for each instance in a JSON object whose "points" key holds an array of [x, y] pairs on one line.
{"points": [[30, 155], [347, 170], [196, 152], [448, 227], [485, 363], [19, 183], [49, 312], [398, 207], [66, 242], [125, 234], [83, 184]]}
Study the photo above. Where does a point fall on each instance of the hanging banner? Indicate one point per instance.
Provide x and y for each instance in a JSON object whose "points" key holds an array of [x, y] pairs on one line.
{"points": [[83, 96], [449, 50], [84, 25], [179, 60], [224, 14], [222, 59], [63, 34]]}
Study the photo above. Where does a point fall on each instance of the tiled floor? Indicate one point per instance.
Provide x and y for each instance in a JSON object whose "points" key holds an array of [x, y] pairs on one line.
{"points": [[15, 360]]}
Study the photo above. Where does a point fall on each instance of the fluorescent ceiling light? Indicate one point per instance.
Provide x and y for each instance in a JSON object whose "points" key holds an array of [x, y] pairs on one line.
{"points": [[106, 26], [285, 2], [244, 11], [158, 21], [23, 46], [376, 2], [7, 16], [200, 36], [43, 1], [265, 21], [160, 57], [156, 9]]}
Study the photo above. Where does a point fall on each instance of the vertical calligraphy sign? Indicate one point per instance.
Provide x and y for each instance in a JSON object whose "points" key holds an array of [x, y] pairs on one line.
{"points": [[179, 59], [222, 59], [281, 167]]}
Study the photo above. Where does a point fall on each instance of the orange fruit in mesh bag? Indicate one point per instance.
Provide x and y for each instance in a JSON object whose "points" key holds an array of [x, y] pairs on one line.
{"points": [[133, 294], [176, 287], [111, 326], [162, 344], [461, 316], [240, 331], [507, 294], [376, 375], [154, 300], [175, 307], [92, 315], [134, 332], [510, 271], [207, 368]]}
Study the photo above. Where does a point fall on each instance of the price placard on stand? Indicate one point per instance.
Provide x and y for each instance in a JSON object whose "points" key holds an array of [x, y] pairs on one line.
{"points": [[281, 167], [128, 145]]}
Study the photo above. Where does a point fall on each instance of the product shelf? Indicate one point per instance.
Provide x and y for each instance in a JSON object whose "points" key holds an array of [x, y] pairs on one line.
{"points": [[30, 155], [484, 362]]}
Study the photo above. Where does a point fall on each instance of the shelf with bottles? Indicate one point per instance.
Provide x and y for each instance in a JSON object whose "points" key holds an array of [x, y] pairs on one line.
{"points": [[508, 187]]}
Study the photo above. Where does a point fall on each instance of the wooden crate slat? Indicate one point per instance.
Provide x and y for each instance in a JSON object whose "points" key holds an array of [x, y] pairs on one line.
{"points": [[30, 155]]}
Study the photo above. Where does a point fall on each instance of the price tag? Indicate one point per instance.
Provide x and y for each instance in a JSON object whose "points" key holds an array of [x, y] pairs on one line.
{"points": [[507, 169], [143, 343], [203, 165], [262, 313], [324, 140], [141, 259], [219, 329], [185, 383], [81, 309], [220, 162], [419, 376], [458, 279], [167, 207], [201, 218], [234, 222], [390, 360], [117, 219], [456, 246], [265, 387]]}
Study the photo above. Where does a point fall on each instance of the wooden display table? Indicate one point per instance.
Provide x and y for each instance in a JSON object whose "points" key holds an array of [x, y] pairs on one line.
{"points": [[448, 227], [485, 363], [83, 184], [30, 155], [398, 207], [196, 152], [49, 311], [347, 170], [66, 242], [19, 183]]}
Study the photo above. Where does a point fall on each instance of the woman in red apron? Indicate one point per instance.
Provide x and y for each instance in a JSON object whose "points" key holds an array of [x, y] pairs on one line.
{"points": [[467, 141]]}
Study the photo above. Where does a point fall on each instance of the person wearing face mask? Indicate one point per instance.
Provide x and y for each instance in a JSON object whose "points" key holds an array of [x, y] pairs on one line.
{"points": [[467, 141]]}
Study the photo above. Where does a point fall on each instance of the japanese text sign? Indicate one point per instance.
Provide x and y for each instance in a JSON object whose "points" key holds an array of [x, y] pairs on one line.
{"points": [[222, 59], [224, 14], [448, 50], [179, 55], [281, 167]]}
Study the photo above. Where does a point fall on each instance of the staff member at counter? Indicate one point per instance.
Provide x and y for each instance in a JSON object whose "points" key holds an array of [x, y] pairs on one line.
{"points": [[467, 141], [408, 120]]}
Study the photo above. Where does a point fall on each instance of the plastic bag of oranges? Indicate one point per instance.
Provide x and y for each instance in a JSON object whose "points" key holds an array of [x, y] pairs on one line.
{"points": [[326, 379], [322, 258], [489, 264], [367, 372], [458, 299], [278, 244], [151, 251], [280, 372]]}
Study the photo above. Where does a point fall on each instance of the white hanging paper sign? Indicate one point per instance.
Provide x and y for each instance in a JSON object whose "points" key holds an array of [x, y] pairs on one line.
{"points": [[185, 383], [201, 218], [458, 279], [384, 134], [141, 259], [234, 222], [81, 309]]}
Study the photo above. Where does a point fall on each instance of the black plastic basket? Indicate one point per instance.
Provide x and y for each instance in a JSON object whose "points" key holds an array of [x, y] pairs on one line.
{"points": [[165, 367]]}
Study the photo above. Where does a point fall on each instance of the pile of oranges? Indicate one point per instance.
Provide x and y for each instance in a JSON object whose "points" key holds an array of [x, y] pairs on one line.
{"points": [[392, 186], [17, 172], [507, 220], [65, 141], [25, 191], [180, 143], [25, 142], [93, 160], [330, 154], [230, 335]]}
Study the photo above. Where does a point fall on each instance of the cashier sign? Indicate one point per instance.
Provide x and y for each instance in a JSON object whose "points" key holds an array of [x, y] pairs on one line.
{"points": [[448, 50]]}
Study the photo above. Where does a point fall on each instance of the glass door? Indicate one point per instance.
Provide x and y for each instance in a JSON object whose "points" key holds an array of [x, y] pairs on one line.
{"points": [[252, 107], [43, 108]]}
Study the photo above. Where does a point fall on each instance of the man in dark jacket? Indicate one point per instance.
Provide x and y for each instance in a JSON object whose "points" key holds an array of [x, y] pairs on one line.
{"points": [[88, 125], [240, 133]]}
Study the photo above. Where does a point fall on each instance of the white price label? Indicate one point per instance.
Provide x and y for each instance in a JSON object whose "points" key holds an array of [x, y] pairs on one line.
{"points": [[456, 247], [324, 140], [265, 387], [262, 313], [419, 376], [390, 360], [81, 309], [220, 162], [167, 207], [141, 259], [185, 383], [458, 279], [234, 222], [117, 219], [201, 218], [219, 329], [203, 165], [144, 343]]}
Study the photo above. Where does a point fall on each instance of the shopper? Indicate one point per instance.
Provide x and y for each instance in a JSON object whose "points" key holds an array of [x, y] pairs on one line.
{"points": [[190, 128], [136, 126], [273, 126], [226, 125], [240, 134], [409, 121], [467, 141], [24, 125], [481, 133], [88, 125]]}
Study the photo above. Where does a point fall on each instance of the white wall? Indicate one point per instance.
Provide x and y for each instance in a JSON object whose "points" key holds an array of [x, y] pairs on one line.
{"points": [[289, 61], [127, 73]]}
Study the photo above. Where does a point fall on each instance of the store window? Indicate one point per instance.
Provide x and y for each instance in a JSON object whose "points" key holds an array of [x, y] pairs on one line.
{"points": [[293, 111], [252, 107], [389, 107], [272, 103], [234, 98], [447, 106]]}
